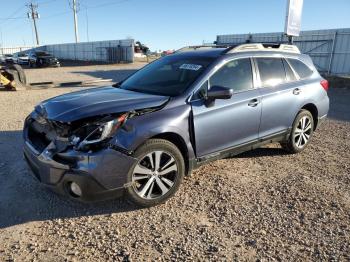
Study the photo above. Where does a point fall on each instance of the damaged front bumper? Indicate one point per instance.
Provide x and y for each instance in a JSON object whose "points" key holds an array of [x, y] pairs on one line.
{"points": [[100, 175]]}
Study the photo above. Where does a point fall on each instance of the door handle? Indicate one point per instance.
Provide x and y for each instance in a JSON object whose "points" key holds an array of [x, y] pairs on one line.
{"points": [[296, 91], [253, 102]]}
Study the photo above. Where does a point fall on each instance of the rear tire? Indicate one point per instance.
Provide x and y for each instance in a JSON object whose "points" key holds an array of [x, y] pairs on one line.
{"points": [[157, 174], [301, 133]]}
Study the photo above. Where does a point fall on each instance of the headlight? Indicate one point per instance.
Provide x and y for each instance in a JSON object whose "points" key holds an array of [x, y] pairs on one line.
{"points": [[101, 133]]}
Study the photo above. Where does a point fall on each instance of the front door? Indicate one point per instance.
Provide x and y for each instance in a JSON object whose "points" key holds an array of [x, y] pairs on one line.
{"points": [[231, 122]]}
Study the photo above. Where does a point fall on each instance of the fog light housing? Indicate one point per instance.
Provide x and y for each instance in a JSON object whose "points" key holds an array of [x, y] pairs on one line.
{"points": [[75, 189]]}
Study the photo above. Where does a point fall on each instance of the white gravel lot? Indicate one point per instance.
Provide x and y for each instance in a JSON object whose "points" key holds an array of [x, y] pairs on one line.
{"points": [[261, 205]]}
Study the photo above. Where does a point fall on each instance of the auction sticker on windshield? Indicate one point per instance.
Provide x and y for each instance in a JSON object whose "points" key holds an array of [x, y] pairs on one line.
{"points": [[191, 67]]}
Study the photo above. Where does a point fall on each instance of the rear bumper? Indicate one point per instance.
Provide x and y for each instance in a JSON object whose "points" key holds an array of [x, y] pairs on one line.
{"points": [[100, 175]]}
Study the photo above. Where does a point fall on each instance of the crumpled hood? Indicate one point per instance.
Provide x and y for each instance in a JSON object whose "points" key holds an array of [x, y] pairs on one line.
{"points": [[97, 101]]}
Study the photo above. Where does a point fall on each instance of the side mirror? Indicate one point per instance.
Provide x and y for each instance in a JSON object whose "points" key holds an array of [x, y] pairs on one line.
{"points": [[219, 92]]}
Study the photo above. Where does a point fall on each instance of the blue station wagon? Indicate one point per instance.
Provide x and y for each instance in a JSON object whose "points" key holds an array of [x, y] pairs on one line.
{"points": [[139, 138]]}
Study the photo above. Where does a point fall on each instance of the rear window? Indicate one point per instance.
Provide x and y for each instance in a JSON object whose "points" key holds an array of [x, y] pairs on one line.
{"points": [[271, 71], [303, 70]]}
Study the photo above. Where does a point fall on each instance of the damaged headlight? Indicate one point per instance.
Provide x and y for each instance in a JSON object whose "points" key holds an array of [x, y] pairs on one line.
{"points": [[100, 132]]}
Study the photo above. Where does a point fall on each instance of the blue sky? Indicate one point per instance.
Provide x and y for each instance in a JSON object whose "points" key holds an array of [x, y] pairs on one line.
{"points": [[162, 24]]}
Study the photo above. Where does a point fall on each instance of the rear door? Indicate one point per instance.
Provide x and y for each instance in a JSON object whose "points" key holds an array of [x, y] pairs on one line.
{"points": [[280, 95], [232, 122]]}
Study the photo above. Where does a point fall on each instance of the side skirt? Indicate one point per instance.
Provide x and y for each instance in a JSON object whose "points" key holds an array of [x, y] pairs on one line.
{"points": [[233, 151]]}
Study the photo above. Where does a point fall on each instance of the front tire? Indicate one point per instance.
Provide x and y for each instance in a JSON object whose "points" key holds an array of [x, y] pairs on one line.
{"points": [[157, 174], [301, 133]]}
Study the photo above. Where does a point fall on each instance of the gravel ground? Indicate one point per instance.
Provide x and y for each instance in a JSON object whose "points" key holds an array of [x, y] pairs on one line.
{"points": [[260, 205]]}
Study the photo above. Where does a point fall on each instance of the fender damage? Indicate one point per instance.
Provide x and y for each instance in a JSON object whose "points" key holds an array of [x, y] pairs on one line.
{"points": [[52, 151]]}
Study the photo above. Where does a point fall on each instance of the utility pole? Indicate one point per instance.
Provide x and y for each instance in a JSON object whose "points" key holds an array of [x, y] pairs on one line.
{"points": [[75, 21], [33, 14], [2, 43], [87, 25]]}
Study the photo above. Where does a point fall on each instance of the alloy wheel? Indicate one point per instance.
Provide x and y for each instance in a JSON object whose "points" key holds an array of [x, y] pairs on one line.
{"points": [[154, 175], [303, 132]]}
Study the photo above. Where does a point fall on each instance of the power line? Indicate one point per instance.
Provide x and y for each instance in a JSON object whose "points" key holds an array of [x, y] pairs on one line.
{"points": [[22, 7], [15, 12], [33, 14], [106, 4], [85, 7], [46, 2], [12, 16], [55, 15]]}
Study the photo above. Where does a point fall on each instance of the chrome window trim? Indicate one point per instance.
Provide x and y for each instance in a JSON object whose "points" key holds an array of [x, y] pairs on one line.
{"points": [[218, 67], [286, 59]]}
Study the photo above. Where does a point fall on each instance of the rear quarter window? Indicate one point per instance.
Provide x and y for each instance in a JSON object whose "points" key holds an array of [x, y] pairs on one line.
{"points": [[302, 70], [289, 72]]}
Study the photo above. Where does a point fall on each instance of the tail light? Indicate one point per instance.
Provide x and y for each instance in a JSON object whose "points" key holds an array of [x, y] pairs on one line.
{"points": [[325, 84]]}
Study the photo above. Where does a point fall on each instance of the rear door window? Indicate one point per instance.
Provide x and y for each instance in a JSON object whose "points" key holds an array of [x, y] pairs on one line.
{"points": [[303, 70], [271, 71]]}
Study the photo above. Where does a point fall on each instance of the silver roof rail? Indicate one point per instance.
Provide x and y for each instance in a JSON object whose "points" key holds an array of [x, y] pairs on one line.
{"points": [[265, 47], [200, 47]]}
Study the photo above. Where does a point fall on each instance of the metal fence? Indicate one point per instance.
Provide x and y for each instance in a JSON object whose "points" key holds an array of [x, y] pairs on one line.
{"points": [[329, 49], [13, 50], [113, 51]]}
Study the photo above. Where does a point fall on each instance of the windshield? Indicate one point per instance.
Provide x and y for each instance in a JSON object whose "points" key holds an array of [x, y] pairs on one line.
{"points": [[168, 76]]}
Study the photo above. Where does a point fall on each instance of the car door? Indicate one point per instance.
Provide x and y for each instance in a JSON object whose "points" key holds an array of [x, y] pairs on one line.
{"points": [[281, 97], [227, 123]]}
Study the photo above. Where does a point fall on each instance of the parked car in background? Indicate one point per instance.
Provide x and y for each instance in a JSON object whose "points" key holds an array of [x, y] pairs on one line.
{"points": [[2, 59], [21, 58], [9, 58], [42, 59], [140, 137]]}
